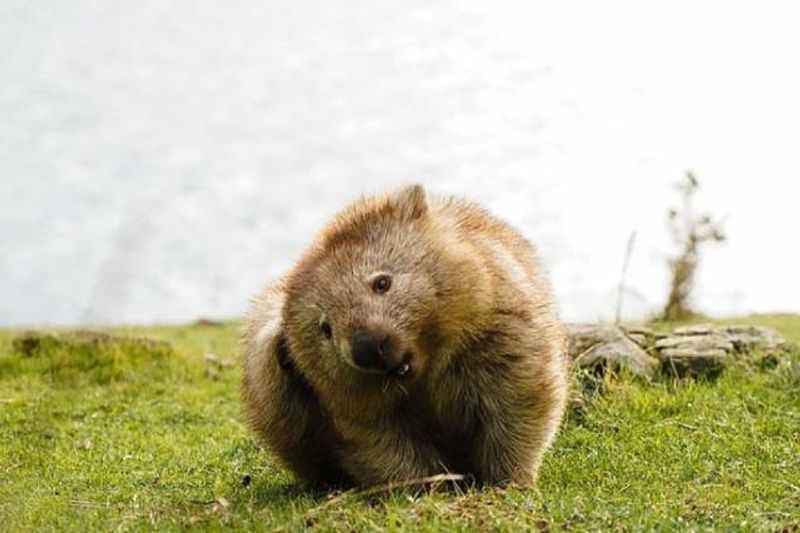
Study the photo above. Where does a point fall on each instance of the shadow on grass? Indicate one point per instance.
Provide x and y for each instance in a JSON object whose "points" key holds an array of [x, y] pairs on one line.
{"points": [[316, 500], [270, 493]]}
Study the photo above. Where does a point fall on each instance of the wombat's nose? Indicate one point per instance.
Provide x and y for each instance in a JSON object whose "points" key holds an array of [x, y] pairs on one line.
{"points": [[372, 350]]}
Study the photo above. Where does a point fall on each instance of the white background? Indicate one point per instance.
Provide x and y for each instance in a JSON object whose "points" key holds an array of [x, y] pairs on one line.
{"points": [[159, 161]]}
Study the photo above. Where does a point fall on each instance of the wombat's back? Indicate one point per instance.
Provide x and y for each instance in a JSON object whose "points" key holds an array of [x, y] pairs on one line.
{"points": [[511, 273]]}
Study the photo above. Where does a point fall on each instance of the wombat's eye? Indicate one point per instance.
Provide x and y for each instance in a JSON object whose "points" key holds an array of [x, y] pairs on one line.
{"points": [[326, 330], [381, 284]]}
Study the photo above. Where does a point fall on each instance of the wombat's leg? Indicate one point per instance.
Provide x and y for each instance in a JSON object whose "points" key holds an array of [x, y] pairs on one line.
{"points": [[517, 421], [286, 414], [376, 455]]}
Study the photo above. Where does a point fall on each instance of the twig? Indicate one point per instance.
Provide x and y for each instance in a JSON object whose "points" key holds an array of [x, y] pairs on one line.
{"points": [[385, 488], [87, 503], [679, 424], [675, 374], [394, 485], [625, 263], [773, 513], [793, 487]]}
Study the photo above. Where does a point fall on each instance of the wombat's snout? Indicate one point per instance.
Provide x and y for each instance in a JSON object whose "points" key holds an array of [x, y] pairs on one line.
{"points": [[378, 351]]}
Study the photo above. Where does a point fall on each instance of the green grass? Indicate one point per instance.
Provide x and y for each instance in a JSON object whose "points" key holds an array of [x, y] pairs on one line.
{"points": [[158, 443]]}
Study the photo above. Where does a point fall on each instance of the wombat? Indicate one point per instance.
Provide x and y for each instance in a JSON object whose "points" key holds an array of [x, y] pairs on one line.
{"points": [[416, 336]]}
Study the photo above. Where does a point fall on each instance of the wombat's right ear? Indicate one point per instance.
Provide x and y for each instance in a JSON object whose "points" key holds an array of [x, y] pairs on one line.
{"points": [[412, 202], [268, 334]]}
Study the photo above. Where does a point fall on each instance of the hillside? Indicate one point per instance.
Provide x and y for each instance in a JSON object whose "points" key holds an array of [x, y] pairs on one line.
{"points": [[145, 435]]}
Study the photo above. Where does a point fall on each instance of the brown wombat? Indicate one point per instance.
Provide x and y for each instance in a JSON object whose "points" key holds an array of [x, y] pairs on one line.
{"points": [[416, 336]]}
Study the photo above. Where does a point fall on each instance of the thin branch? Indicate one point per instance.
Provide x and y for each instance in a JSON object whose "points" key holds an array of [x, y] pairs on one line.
{"points": [[625, 263], [385, 488]]}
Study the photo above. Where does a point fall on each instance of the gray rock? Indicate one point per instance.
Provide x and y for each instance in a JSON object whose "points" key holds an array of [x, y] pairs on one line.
{"points": [[746, 339], [690, 361], [584, 336], [641, 335], [712, 341], [695, 350], [704, 349], [640, 330], [694, 329], [607, 346]]}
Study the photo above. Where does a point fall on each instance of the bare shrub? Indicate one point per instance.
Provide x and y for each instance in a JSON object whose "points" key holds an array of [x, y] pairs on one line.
{"points": [[690, 232]]}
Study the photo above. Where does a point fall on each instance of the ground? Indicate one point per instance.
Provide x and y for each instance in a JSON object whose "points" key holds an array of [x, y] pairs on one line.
{"points": [[157, 442]]}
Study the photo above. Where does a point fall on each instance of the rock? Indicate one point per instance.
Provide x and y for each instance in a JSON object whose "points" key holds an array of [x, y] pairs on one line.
{"points": [[689, 361], [641, 335], [704, 349], [214, 360], [643, 342], [644, 330], [584, 336], [748, 339], [694, 329], [607, 346], [700, 349], [699, 343]]}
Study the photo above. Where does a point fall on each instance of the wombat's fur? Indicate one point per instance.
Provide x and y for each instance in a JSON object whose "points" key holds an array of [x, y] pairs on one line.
{"points": [[416, 336]]}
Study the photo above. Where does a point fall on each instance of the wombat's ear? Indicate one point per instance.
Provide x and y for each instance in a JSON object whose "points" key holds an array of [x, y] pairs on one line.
{"points": [[267, 332], [412, 202]]}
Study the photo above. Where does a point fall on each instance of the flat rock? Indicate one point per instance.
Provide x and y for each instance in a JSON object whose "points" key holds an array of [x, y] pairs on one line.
{"points": [[703, 349], [641, 335], [607, 346], [690, 361], [747, 339], [639, 330], [712, 341], [584, 336], [694, 329]]}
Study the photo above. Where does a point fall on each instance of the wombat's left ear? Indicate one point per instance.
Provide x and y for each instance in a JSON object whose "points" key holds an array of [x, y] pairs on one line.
{"points": [[412, 202]]}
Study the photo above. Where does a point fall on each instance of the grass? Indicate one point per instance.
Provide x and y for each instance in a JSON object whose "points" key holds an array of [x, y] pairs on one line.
{"points": [[92, 442]]}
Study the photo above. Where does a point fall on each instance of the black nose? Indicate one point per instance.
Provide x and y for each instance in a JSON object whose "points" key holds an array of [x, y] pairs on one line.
{"points": [[372, 350]]}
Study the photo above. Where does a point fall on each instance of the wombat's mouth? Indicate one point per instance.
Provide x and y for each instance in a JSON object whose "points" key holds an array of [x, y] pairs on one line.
{"points": [[402, 370]]}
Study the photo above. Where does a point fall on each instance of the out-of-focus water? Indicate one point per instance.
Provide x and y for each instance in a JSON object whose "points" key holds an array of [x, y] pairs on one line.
{"points": [[159, 161]]}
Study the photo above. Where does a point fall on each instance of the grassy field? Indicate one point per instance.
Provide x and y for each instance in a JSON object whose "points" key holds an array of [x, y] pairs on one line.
{"points": [[156, 441]]}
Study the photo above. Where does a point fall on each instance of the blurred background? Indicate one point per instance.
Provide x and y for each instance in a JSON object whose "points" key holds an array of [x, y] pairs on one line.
{"points": [[161, 161]]}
